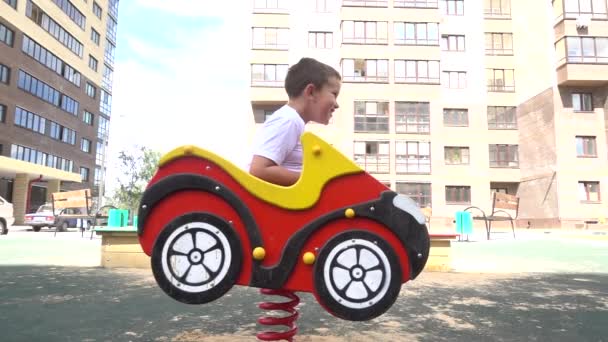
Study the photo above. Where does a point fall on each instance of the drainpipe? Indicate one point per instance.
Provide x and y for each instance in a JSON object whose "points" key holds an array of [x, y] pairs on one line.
{"points": [[29, 191]]}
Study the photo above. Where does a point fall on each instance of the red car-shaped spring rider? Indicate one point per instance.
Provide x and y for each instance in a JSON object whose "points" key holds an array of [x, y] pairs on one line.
{"points": [[337, 233]]}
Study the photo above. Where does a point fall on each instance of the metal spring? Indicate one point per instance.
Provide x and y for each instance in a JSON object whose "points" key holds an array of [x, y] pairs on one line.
{"points": [[288, 321]]}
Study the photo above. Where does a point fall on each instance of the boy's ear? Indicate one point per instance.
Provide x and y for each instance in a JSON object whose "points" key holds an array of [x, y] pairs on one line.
{"points": [[309, 89]]}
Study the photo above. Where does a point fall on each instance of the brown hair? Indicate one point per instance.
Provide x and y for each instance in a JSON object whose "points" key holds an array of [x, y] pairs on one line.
{"points": [[305, 72]]}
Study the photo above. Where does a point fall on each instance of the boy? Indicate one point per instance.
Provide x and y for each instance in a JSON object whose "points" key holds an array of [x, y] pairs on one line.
{"points": [[312, 88]]}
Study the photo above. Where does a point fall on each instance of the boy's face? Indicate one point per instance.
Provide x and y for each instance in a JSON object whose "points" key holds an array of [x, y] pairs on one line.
{"points": [[324, 101]]}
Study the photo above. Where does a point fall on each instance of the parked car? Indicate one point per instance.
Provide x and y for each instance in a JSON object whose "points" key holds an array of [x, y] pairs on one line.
{"points": [[7, 217], [44, 217], [337, 233]]}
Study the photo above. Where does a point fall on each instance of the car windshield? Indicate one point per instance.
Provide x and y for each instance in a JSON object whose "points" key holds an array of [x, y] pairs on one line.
{"points": [[46, 208]]}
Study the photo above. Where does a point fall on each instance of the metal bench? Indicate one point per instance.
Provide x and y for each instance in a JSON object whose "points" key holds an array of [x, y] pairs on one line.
{"points": [[505, 207]]}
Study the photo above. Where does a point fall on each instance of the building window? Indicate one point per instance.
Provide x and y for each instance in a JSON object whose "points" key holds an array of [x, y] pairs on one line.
{"points": [[37, 157], [497, 8], [111, 28], [90, 90], [323, 6], [412, 117], [271, 38], [416, 33], [371, 116], [270, 5], [451, 42], [594, 8], [68, 8], [57, 31], [268, 75], [30, 121], [416, 71], [84, 173], [109, 53], [49, 60], [61, 133], [2, 113], [582, 102], [456, 117], [501, 80], [589, 191], [413, 157], [38, 88], [415, 3], [499, 43], [500, 117], [320, 40], [12, 3], [456, 155], [365, 70], [373, 156], [457, 194], [95, 37], [6, 35], [365, 3], [96, 10], [419, 192], [99, 153], [102, 129], [5, 74], [88, 118], [105, 103], [586, 147], [364, 32], [47, 93], [452, 7], [85, 145], [454, 79], [92, 63], [108, 77], [504, 156], [586, 49]]}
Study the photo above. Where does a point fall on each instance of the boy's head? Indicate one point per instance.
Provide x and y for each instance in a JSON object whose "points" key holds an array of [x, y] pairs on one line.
{"points": [[315, 87]]}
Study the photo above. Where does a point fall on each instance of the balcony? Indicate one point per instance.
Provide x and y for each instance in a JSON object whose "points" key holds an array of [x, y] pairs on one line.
{"points": [[582, 61]]}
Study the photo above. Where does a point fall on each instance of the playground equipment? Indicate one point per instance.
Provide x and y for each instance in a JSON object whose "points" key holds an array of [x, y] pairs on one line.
{"points": [[337, 233]]}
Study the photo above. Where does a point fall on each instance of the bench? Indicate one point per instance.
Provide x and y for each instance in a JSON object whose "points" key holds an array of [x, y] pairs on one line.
{"points": [[500, 204], [72, 205]]}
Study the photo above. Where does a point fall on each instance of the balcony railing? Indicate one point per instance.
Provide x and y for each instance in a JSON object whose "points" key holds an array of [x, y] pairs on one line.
{"points": [[365, 3]]}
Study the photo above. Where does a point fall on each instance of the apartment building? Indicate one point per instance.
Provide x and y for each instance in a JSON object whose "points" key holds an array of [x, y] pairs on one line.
{"points": [[448, 101], [56, 68]]}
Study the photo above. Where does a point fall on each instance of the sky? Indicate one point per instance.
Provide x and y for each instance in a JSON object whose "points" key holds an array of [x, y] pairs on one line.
{"points": [[181, 77]]}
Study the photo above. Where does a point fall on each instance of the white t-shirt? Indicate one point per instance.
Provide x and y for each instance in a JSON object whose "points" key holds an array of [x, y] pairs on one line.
{"points": [[279, 139]]}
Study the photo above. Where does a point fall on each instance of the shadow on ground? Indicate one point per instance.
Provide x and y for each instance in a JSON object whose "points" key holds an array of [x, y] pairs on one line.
{"points": [[95, 304]]}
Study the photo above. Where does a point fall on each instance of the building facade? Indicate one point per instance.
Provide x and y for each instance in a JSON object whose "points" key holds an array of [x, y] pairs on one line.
{"points": [[448, 101], [56, 70]]}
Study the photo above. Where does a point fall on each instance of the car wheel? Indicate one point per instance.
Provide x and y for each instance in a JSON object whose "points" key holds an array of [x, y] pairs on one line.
{"points": [[357, 276], [196, 258], [64, 226], [36, 228], [3, 228]]}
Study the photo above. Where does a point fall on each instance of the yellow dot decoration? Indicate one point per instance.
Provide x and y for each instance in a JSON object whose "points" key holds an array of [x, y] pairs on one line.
{"points": [[349, 213], [316, 150], [308, 258], [259, 253]]}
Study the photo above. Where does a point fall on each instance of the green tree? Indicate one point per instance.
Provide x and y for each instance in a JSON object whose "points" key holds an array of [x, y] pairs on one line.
{"points": [[136, 170]]}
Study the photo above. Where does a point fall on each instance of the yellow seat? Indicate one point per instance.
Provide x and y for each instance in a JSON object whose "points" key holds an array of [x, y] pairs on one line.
{"points": [[321, 163]]}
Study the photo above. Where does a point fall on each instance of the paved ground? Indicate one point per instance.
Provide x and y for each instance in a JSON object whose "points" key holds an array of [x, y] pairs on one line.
{"points": [[554, 288]]}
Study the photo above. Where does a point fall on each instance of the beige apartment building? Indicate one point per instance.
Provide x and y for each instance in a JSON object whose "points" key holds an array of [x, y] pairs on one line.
{"points": [[56, 74], [448, 101]]}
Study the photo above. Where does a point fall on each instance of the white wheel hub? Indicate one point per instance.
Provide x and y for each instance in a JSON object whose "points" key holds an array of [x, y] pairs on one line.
{"points": [[196, 257], [357, 273]]}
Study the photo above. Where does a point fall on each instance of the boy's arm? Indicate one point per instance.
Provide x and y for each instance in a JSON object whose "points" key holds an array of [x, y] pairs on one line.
{"points": [[267, 170]]}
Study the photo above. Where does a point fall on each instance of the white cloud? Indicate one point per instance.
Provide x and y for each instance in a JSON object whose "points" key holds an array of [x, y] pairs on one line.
{"points": [[193, 92]]}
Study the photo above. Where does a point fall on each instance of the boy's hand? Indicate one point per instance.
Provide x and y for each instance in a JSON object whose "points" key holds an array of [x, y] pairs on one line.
{"points": [[268, 170]]}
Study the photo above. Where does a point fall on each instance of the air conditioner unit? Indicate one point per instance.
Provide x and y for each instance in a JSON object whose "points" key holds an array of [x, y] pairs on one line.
{"points": [[583, 21]]}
